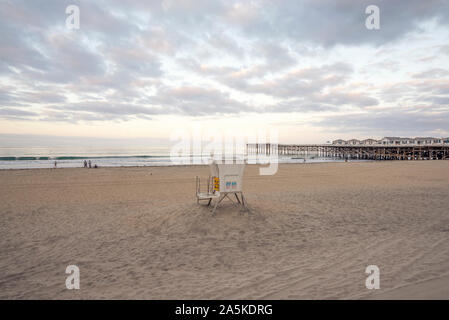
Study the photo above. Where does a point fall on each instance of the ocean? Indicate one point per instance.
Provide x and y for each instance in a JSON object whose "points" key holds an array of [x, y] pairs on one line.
{"points": [[27, 152], [26, 159]]}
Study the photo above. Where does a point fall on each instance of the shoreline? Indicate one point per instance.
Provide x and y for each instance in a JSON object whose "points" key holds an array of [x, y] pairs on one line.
{"points": [[206, 165]]}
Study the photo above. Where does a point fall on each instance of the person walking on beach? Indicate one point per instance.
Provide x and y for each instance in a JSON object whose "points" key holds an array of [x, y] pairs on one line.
{"points": [[85, 163], [90, 164]]}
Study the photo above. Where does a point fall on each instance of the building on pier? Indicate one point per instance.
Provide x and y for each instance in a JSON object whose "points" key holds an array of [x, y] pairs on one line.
{"points": [[389, 148], [393, 141], [369, 142]]}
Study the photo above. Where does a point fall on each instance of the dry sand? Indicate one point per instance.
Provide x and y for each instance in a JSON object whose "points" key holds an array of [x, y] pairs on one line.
{"points": [[310, 233]]}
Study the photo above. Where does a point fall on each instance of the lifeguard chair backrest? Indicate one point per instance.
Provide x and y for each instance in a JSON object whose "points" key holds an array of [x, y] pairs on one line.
{"points": [[230, 176]]}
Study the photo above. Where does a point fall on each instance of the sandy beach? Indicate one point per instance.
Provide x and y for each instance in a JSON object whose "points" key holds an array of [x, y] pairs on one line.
{"points": [[309, 233]]}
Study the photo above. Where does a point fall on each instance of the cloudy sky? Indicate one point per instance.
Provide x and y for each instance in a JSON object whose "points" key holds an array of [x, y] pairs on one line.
{"points": [[310, 69]]}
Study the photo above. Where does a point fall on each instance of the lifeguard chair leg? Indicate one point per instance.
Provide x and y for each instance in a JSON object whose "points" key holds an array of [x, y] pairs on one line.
{"points": [[243, 199], [215, 207], [238, 200], [216, 203]]}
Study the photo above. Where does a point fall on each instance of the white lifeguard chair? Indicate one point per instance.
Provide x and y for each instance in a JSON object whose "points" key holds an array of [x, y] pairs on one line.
{"points": [[225, 178]]}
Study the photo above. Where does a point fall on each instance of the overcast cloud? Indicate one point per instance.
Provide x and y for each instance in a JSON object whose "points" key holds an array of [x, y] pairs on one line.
{"points": [[194, 58]]}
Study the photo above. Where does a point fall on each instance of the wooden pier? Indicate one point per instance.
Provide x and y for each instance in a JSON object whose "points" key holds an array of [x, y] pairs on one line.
{"points": [[361, 152]]}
